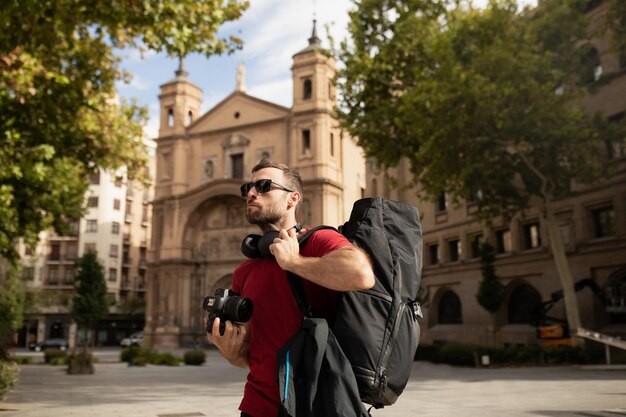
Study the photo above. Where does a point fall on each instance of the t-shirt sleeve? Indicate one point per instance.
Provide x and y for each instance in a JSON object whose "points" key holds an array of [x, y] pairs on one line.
{"points": [[324, 241]]}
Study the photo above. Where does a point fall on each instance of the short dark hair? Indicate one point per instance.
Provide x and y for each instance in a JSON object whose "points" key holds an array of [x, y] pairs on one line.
{"points": [[292, 176]]}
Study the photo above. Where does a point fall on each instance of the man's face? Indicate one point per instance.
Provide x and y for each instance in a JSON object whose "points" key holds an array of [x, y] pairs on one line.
{"points": [[267, 209]]}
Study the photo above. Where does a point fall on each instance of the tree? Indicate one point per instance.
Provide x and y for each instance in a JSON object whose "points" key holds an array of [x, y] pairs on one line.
{"points": [[11, 306], [90, 302], [489, 294], [60, 118], [481, 102]]}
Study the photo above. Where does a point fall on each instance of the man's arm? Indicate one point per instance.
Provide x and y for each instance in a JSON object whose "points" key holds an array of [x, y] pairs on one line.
{"points": [[233, 344], [344, 269]]}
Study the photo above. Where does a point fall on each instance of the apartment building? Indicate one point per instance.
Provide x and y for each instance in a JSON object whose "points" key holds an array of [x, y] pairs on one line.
{"points": [[116, 225]]}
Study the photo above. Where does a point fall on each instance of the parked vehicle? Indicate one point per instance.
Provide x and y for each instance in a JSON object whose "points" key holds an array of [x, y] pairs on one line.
{"points": [[134, 339], [60, 344]]}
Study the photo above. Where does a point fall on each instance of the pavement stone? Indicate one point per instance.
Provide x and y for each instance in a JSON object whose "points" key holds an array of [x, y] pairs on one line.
{"points": [[214, 389]]}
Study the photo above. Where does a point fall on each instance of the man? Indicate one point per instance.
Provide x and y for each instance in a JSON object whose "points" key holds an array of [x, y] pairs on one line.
{"points": [[328, 264]]}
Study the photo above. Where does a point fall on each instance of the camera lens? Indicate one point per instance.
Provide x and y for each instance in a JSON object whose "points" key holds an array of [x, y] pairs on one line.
{"points": [[238, 309]]}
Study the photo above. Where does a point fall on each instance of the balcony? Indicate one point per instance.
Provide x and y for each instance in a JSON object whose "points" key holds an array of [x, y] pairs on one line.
{"points": [[126, 261], [143, 264], [126, 238]]}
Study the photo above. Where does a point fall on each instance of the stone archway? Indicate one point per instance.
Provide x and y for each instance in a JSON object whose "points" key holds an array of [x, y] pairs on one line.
{"points": [[212, 235]]}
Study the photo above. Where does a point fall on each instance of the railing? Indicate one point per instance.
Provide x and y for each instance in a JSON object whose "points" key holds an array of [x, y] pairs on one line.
{"points": [[608, 341]]}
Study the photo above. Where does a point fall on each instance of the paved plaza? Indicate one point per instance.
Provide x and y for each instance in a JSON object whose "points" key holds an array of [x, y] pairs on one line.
{"points": [[214, 389]]}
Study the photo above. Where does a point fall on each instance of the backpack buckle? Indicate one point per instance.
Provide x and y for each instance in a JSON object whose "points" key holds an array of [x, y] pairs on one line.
{"points": [[417, 310]]}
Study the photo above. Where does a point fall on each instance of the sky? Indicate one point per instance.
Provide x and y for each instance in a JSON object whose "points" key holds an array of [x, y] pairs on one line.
{"points": [[272, 32]]}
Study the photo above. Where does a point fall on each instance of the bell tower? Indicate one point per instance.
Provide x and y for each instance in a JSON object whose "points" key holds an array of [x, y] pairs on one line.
{"points": [[316, 148], [180, 102]]}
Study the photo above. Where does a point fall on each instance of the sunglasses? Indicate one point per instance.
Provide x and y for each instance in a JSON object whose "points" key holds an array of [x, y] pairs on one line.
{"points": [[261, 186]]}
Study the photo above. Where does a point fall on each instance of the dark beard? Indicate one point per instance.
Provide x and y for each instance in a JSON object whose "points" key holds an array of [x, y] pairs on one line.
{"points": [[267, 219]]}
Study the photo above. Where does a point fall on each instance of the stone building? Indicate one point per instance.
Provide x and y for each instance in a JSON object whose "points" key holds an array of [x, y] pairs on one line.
{"points": [[198, 217], [593, 227]]}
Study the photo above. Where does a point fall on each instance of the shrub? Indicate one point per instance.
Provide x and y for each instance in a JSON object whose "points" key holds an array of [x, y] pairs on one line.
{"points": [[459, 354], [8, 377], [194, 357], [129, 352], [141, 357], [467, 355], [166, 359], [80, 364], [55, 357], [23, 360], [135, 352], [140, 361]]}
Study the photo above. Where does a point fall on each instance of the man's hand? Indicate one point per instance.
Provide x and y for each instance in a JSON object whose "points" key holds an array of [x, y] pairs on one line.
{"points": [[344, 269], [286, 249], [233, 344]]}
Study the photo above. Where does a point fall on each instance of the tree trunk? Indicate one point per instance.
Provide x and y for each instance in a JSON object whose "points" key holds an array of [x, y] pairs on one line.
{"points": [[565, 275]]}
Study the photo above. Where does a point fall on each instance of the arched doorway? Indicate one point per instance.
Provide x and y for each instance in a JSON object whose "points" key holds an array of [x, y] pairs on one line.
{"points": [[449, 309], [523, 305]]}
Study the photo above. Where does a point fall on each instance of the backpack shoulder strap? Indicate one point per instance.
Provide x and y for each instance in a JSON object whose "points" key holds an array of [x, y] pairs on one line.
{"points": [[295, 282]]}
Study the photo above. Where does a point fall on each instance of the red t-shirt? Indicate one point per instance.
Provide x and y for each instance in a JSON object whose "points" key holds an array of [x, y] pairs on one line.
{"points": [[276, 317]]}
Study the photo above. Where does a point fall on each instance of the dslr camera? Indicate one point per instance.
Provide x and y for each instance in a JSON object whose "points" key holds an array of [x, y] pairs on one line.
{"points": [[226, 305]]}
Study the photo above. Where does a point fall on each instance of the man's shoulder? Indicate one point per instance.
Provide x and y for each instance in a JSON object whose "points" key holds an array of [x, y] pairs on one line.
{"points": [[323, 240]]}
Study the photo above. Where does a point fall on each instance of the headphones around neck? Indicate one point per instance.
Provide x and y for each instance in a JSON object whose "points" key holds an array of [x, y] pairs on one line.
{"points": [[257, 246]]}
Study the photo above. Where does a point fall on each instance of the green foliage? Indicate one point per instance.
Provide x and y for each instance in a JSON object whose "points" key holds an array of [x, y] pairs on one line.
{"points": [[55, 357], [143, 356], [194, 357], [140, 361], [469, 97], [617, 24], [166, 358], [9, 373], [11, 307], [490, 289], [90, 302], [61, 119], [463, 354], [23, 360]]}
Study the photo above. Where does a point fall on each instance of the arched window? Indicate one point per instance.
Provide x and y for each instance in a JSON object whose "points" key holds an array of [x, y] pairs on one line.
{"points": [[307, 89], [189, 117], [449, 311], [170, 117], [523, 305], [592, 67]]}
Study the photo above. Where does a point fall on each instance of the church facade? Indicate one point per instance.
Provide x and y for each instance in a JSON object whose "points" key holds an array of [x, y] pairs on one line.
{"points": [[202, 160]]}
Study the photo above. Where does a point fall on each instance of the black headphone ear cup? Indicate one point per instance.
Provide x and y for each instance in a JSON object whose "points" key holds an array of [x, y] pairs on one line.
{"points": [[250, 246], [264, 244]]}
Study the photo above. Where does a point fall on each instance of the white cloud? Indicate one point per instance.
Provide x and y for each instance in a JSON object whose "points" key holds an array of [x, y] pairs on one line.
{"points": [[151, 129], [138, 83], [279, 92]]}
